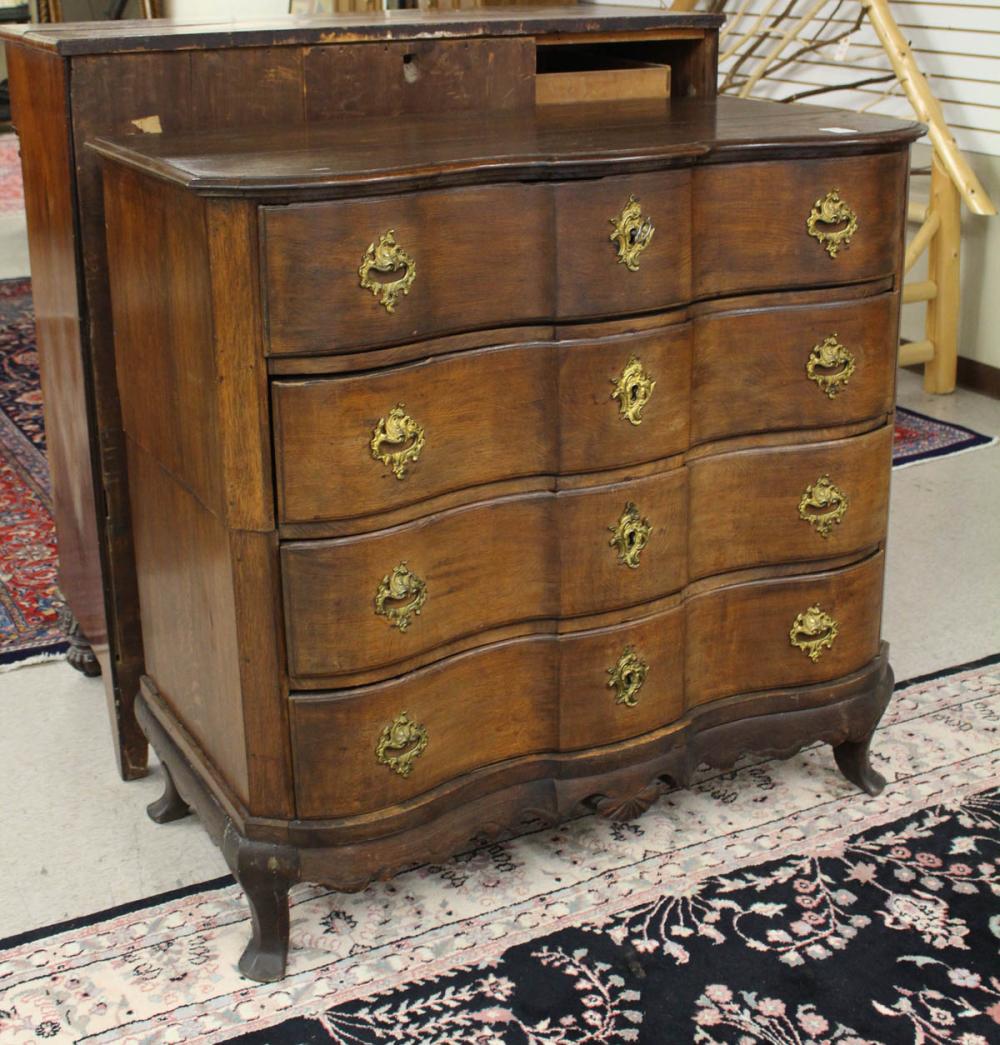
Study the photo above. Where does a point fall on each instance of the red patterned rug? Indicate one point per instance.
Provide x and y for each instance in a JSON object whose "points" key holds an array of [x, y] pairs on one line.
{"points": [[11, 186], [774, 903], [29, 601]]}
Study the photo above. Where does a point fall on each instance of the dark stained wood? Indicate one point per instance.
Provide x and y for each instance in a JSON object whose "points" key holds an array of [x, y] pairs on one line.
{"points": [[315, 303], [738, 638], [508, 361], [750, 222], [312, 252], [418, 76], [553, 141], [592, 280], [772, 347], [745, 505], [38, 97], [555, 415], [169, 806], [485, 567], [164, 34]]}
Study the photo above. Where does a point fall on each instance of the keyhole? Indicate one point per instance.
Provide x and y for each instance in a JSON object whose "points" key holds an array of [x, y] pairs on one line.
{"points": [[411, 71], [631, 538], [633, 393]]}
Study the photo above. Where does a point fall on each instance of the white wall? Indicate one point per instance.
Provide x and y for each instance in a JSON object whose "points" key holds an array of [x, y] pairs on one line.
{"points": [[957, 46], [206, 10]]}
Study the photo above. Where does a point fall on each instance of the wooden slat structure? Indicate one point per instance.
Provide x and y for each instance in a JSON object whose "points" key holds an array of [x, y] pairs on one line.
{"points": [[762, 37]]}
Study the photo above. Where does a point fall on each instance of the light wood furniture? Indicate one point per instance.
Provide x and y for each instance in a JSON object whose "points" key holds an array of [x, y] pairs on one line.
{"points": [[70, 83], [481, 478]]}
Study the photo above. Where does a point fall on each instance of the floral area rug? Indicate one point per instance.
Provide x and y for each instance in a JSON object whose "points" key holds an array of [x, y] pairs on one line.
{"points": [[29, 600], [922, 438], [773, 903], [11, 185]]}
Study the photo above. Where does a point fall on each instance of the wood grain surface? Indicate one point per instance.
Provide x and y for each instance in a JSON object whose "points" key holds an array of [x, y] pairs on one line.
{"points": [[750, 222], [487, 415], [312, 252], [738, 637], [749, 366], [550, 693], [744, 506], [517, 559], [516, 698]]}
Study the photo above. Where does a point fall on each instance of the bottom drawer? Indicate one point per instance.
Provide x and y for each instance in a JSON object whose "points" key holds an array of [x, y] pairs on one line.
{"points": [[359, 750], [548, 693], [740, 638]]}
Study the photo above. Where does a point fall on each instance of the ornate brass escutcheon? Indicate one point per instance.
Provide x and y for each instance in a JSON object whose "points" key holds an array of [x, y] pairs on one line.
{"points": [[400, 584], [823, 505], [813, 632], [830, 365], [395, 429], [627, 677], [631, 534], [633, 390], [832, 222], [404, 736], [387, 256], [633, 234]]}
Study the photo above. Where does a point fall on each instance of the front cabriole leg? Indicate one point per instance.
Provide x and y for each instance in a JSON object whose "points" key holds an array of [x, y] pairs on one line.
{"points": [[265, 871], [854, 761]]}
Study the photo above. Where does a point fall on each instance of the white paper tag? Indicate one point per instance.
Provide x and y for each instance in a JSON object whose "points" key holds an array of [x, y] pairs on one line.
{"points": [[839, 130]]}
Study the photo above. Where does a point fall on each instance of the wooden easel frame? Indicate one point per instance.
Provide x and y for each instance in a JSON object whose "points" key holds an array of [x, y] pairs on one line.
{"points": [[952, 180]]}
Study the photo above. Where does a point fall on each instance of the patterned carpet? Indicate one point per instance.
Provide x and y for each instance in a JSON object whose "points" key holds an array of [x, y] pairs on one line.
{"points": [[774, 903], [11, 186], [29, 601]]}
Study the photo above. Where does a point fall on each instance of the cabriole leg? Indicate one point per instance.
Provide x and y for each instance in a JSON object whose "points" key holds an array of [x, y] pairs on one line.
{"points": [[265, 872], [169, 806], [854, 761]]}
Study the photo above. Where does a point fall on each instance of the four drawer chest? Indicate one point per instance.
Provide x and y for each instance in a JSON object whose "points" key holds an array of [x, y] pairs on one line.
{"points": [[486, 470]]}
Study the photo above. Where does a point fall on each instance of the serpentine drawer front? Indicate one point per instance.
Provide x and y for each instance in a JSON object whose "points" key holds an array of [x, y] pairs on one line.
{"points": [[801, 365], [507, 476], [467, 258], [398, 437]]}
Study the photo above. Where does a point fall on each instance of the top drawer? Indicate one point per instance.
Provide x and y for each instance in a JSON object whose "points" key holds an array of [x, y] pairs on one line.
{"points": [[763, 226], [472, 258]]}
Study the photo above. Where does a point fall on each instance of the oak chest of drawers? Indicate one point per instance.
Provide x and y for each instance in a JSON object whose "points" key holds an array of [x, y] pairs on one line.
{"points": [[478, 481]]}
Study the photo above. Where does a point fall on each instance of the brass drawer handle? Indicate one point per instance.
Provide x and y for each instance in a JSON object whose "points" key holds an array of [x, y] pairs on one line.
{"points": [[632, 233], [404, 736], [400, 584], [387, 256], [830, 365], [829, 211], [631, 535], [633, 390], [823, 505], [812, 632], [627, 677], [394, 430]]}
